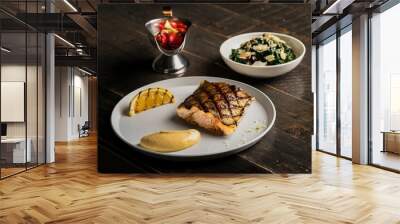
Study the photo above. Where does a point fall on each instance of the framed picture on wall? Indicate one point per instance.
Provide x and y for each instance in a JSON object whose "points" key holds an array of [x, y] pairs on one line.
{"points": [[12, 101]]}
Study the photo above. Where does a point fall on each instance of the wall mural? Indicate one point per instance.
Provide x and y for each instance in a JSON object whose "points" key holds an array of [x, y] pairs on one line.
{"points": [[204, 88]]}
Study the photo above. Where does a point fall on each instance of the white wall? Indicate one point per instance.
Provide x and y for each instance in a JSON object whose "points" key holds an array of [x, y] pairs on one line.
{"points": [[71, 94], [61, 115], [12, 101], [10, 73], [80, 112], [16, 73]]}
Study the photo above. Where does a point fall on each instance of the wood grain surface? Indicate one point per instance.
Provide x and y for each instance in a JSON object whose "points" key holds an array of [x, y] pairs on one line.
{"points": [[72, 191], [125, 55]]}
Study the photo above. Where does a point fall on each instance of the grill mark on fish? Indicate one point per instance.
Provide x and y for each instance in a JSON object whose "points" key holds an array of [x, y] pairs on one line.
{"points": [[191, 101], [227, 101], [204, 100], [218, 100], [215, 106], [224, 101], [231, 100]]}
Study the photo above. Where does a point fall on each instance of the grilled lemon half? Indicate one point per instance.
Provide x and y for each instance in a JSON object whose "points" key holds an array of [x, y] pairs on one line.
{"points": [[150, 98]]}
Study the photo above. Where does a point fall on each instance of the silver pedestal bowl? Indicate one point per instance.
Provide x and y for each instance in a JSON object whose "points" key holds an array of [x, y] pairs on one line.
{"points": [[169, 61]]}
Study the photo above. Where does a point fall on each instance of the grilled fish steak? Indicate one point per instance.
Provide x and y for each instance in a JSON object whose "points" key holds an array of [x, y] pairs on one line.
{"points": [[215, 106]]}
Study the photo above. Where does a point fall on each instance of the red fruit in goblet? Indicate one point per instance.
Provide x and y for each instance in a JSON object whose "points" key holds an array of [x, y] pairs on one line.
{"points": [[161, 25], [181, 30], [183, 26], [172, 38], [173, 24], [175, 40], [162, 39], [178, 24], [171, 34]]}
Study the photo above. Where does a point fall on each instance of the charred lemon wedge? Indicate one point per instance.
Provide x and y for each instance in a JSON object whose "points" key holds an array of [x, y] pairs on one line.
{"points": [[150, 98]]}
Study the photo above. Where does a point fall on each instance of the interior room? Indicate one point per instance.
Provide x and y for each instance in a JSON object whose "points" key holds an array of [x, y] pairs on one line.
{"points": [[139, 111], [22, 103]]}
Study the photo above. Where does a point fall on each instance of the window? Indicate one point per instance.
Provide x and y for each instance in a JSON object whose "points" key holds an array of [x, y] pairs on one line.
{"points": [[346, 92], [385, 89], [334, 137], [326, 87], [22, 78]]}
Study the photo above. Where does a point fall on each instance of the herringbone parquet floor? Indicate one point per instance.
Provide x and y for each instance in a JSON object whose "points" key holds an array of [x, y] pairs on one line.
{"points": [[71, 191]]}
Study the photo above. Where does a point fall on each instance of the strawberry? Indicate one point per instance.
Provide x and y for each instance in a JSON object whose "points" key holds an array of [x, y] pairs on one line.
{"points": [[174, 24], [161, 25], [178, 24], [162, 39], [175, 40], [181, 30], [182, 25], [171, 38]]}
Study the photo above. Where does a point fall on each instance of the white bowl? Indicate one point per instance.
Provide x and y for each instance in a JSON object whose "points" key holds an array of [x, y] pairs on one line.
{"points": [[261, 71]]}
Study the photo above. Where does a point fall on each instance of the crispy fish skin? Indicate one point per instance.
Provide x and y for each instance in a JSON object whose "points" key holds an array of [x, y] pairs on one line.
{"points": [[215, 106]]}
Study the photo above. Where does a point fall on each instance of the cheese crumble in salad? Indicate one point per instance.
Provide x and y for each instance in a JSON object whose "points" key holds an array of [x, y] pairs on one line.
{"points": [[265, 50]]}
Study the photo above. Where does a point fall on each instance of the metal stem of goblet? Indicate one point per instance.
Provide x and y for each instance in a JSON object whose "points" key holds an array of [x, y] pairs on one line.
{"points": [[175, 64]]}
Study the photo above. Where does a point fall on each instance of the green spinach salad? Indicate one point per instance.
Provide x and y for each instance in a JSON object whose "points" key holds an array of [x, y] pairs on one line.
{"points": [[265, 50]]}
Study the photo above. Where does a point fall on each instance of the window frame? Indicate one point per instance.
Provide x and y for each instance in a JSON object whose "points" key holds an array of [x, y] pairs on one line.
{"points": [[334, 37], [28, 29]]}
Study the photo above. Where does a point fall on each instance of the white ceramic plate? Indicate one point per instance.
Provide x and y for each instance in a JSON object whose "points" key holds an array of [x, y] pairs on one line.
{"points": [[257, 121], [261, 71]]}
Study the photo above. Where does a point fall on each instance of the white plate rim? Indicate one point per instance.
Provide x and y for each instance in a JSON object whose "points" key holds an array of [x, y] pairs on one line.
{"points": [[197, 157]]}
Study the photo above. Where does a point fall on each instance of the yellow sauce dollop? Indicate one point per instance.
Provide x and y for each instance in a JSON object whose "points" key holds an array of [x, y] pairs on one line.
{"points": [[170, 141]]}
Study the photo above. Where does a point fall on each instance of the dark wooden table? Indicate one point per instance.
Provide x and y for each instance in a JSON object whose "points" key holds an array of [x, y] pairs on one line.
{"points": [[125, 55]]}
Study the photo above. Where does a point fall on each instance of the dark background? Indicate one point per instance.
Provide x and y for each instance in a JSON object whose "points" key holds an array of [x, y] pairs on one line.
{"points": [[125, 55]]}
